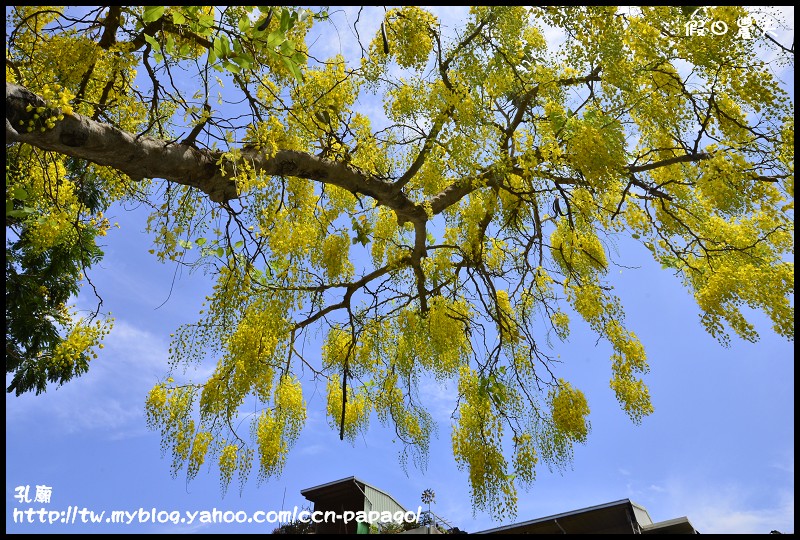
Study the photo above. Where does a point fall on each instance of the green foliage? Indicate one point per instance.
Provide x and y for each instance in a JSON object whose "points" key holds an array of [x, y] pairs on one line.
{"points": [[43, 342]]}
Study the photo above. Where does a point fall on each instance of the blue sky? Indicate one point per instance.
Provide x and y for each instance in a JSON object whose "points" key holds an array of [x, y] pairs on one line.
{"points": [[719, 448]]}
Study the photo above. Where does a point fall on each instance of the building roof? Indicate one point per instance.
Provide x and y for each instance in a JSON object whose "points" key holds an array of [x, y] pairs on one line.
{"points": [[623, 516], [679, 525], [343, 488]]}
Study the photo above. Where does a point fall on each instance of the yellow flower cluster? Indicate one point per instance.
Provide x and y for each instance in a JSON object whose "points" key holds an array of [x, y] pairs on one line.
{"points": [[560, 322], [77, 347], [599, 153], [632, 393], [636, 218], [505, 319], [328, 89], [525, 458], [271, 446], [168, 410], [293, 230], [447, 324], [357, 409], [569, 410], [627, 344], [404, 101], [477, 445], [336, 257], [409, 30], [495, 255], [369, 155], [339, 350], [251, 351], [383, 233], [198, 453], [588, 300], [227, 465], [291, 408], [578, 251]]}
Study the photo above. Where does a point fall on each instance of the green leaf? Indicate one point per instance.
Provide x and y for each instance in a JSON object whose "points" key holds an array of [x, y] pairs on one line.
{"points": [[205, 20], [200, 241], [233, 68], [285, 20], [635, 236], [218, 48], [152, 13], [20, 194], [323, 116], [246, 57], [220, 251], [178, 18], [275, 38], [224, 47], [244, 24], [669, 262], [243, 61], [153, 42], [238, 244], [293, 69], [287, 47], [558, 121]]}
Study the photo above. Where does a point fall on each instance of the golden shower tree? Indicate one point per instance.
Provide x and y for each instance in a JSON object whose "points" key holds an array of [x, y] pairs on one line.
{"points": [[450, 239]]}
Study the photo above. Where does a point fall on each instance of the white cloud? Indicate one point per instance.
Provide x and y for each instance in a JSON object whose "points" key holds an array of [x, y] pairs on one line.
{"points": [[728, 509], [786, 466], [110, 397], [312, 450], [110, 415], [727, 515], [439, 399]]}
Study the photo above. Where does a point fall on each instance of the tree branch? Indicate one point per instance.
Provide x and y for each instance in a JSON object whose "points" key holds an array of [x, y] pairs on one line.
{"points": [[146, 157]]}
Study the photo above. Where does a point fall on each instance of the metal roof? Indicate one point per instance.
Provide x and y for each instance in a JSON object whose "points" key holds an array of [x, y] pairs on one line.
{"points": [[340, 487], [680, 525], [622, 516]]}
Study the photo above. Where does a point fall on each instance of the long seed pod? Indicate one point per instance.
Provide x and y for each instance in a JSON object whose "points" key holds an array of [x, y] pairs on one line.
{"points": [[263, 26], [385, 39]]}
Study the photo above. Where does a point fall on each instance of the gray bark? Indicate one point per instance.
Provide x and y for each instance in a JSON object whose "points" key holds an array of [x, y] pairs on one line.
{"points": [[142, 157]]}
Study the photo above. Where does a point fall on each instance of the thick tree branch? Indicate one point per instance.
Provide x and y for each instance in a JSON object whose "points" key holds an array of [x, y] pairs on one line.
{"points": [[146, 157], [110, 26], [686, 158], [460, 189]]}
